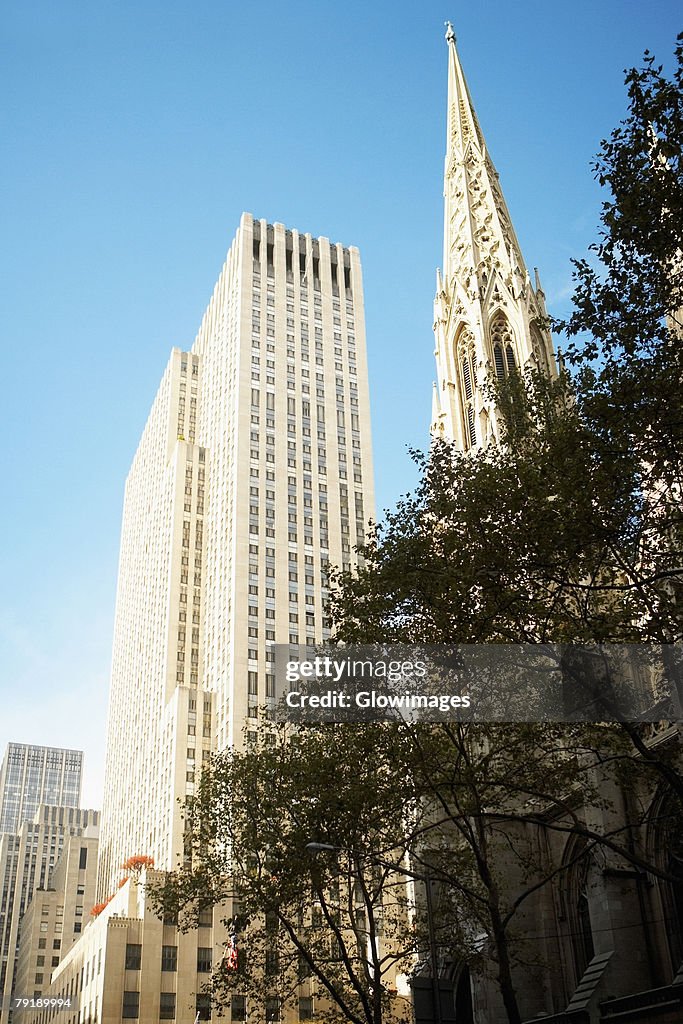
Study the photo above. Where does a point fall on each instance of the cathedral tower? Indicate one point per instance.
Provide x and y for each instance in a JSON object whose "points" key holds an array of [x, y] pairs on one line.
{"points": [[488, 318]]}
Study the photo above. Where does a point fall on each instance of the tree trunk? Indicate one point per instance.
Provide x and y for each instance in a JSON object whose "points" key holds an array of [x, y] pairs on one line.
{"points": [[507, 990]]}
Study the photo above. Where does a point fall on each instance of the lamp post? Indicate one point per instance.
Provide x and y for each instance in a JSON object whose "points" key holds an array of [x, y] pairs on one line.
{"points": [[409, 873]]}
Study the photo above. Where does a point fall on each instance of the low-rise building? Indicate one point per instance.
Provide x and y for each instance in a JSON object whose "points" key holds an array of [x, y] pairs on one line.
{"points": [[55, 917]]}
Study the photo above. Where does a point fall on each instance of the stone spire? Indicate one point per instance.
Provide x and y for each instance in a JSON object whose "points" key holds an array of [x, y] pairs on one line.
{"points": [[488, 317]]}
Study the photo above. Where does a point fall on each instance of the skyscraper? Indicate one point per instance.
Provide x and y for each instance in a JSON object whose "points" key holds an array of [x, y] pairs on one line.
{"points": [[32, 775], [488, 318], [253, 474]]}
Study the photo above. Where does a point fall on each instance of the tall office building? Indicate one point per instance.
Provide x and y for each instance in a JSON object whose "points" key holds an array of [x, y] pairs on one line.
{"points": [[488, 318], [32, 775], [253, 474]]}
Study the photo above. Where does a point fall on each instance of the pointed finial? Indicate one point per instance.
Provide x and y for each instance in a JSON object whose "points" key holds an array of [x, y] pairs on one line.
{"points": [[450, 34], [537, 277]]}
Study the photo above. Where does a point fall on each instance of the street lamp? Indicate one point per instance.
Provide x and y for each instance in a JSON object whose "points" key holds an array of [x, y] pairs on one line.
{"points": [[409, 873]]}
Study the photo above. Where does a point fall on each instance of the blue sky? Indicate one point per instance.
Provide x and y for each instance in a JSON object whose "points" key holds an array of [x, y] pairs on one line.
{"points": [[134, 136]]}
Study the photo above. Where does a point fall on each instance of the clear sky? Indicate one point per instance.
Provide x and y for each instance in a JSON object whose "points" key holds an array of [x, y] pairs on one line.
{"points": [[134, 135]]}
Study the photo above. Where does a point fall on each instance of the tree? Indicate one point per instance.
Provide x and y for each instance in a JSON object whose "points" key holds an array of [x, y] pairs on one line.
{"points": [[627, 328], [570, 531], [510, 544], [338, 922], [137, 862], [498, 797], [627, 315]]}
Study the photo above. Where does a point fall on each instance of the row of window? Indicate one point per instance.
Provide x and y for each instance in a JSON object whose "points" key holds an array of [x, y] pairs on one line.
{"points": [[238, 1007], [169, 958], [303, 295]]}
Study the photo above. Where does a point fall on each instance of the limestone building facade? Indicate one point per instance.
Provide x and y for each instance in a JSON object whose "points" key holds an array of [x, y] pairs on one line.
{"points": [[131, 965], [56, 916], [253, 474], [26, 863], [30, 776]]}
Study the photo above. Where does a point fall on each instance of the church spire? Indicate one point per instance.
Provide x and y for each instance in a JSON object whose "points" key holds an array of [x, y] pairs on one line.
{"points": [[463, 125], [488, 318]]}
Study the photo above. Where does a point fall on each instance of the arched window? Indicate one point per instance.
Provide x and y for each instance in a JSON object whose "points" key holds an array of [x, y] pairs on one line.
{"points": [[503, 346], [464, 1011], [465, 358], [498, 361], [574, 896], [665, 847]]}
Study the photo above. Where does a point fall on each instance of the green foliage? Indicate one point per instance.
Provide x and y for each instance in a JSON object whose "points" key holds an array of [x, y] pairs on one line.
{"points": [[336, 919], [627, 327], [519, 543], [631, 300]]}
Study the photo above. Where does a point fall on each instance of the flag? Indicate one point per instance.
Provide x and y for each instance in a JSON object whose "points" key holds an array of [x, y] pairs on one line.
{"points": [[231, 954]]}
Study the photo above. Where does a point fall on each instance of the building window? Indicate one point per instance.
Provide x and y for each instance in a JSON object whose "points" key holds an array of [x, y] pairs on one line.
{"points": [[203, 1006], [170, 916], [204, 954], [131, 1005], [503, 347], [305, 1007], [169, 958], [133, 956], [167, 1006], [83, 858], [238, 1008], [272, 1008]]}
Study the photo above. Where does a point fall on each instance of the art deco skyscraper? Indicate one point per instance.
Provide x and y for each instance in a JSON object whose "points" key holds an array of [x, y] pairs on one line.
{"points": [[488, 318], [253, 474]]}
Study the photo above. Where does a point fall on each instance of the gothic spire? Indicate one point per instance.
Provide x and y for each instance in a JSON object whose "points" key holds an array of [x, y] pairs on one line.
{"points": [[477, 219], [487, 316]]}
